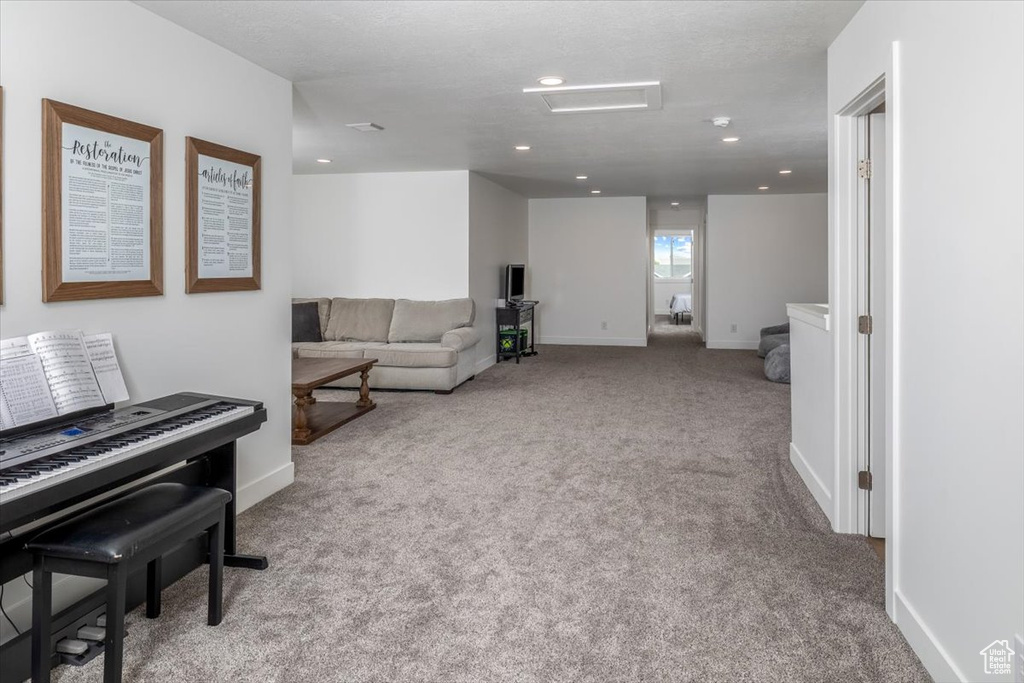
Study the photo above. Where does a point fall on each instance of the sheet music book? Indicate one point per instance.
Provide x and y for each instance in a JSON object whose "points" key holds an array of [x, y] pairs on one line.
{"points": [[54, 373]]}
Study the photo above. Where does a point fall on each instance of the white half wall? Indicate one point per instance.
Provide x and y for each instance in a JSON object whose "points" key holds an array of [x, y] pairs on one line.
{"points": [[381, 235], [763, 251], [812, 394], [958, 472], [154, 72], [588, 268], [498, 235]]}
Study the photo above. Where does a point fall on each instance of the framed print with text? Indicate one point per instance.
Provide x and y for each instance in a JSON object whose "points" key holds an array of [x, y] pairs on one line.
{"points": [[222, 218], [102, 205], [1, 194]]}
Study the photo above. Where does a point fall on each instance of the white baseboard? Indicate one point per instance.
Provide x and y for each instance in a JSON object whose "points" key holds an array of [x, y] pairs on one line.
{"points": [[593, 341], [745, 345], [924, 643], [484, 363], [264, 487], [814, 484]]}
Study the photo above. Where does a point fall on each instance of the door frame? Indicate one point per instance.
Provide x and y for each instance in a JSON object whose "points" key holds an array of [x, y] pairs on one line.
{"points": [[848, 132]]}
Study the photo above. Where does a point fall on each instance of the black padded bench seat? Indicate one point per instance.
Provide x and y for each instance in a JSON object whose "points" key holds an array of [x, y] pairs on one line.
{"points": [[111, 540]]}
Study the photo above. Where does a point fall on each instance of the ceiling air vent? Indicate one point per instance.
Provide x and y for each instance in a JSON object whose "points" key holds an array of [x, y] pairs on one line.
{"points": [[364, 127], [575, 99]]}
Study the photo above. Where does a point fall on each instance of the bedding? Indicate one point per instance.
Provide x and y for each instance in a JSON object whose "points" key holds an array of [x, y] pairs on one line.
{"points": [[680, 306]]}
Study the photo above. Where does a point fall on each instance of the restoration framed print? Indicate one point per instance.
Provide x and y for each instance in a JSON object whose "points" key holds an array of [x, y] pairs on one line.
{"points": [[102, 205], [222, 218]]}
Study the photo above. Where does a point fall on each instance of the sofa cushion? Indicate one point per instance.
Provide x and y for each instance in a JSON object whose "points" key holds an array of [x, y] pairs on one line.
{"points": [[413, 355], [427, 321], [323, 307], [306, 322], [460, 338], [360, 320], [332, 349]]}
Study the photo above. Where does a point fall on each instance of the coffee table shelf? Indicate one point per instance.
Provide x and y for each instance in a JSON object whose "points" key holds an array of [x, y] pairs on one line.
{"points": [[311, 419]]}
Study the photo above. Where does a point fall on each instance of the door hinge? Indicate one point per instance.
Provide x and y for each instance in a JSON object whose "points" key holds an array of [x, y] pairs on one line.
{"points": [[864, 324], [864, 480], [864, 169]]}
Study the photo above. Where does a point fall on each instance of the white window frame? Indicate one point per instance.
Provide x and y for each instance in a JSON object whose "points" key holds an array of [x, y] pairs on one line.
{"points": [[673, 232]]}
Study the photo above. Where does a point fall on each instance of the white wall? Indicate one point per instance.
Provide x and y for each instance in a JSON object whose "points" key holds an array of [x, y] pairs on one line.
{"points": [[381, 235], [958, 526], [235, 344], [589, 264], [498, 232], [762, 253]]}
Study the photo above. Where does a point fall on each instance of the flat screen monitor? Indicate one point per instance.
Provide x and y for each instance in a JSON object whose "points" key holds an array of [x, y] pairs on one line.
{"points": [[515, 282]]}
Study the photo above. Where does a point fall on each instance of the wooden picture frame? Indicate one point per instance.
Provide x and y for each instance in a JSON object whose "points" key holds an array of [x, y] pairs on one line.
{"points": [[1, 195], [57, 286], [210, 271]]}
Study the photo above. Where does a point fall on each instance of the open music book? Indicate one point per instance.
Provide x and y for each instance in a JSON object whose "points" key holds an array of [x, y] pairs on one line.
{"points": [[49, 374]]}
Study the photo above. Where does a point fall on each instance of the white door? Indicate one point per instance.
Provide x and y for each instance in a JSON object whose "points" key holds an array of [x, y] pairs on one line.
{"points": [[876, 340]]}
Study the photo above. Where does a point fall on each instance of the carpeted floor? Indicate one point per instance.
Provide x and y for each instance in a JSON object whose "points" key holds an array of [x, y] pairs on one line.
{"points": [[593, 514]]}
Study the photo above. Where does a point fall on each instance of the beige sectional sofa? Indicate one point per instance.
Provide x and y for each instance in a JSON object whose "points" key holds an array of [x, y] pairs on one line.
{"points": [[417, 344]]}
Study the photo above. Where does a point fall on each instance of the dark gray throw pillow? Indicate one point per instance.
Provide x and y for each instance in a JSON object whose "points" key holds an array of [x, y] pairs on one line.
{"points": [[306, 322]]}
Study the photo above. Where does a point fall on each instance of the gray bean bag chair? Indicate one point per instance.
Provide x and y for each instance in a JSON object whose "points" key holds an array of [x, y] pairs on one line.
{"points": [[776, 364], [770, 342], [775, 329]]}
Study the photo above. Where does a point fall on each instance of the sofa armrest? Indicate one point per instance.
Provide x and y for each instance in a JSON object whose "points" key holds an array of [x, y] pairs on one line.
{"points": [[461, 338]]}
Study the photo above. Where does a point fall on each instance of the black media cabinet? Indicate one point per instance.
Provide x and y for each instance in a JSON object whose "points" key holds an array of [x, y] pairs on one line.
{"points": [[515, 317]]}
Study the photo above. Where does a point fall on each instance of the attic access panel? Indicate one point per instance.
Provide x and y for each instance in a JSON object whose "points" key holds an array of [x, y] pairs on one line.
{"points": [[575, 99]]}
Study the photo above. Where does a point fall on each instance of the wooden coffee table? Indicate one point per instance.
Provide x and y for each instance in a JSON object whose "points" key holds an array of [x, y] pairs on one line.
{"points": [[311, 420]]}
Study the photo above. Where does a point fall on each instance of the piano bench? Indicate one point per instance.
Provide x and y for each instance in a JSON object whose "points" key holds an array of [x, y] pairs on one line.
{"points": [[111, 540]]}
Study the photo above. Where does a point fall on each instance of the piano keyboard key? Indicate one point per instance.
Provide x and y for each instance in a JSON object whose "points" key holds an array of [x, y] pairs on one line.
{"points": [[38, 474]]}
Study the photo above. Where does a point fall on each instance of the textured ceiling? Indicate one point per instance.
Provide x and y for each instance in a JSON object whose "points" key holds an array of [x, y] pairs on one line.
{"points": [[445, 80]]}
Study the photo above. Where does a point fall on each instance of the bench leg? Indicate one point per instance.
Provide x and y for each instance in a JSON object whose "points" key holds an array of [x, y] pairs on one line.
{"points": [[216, 540], [113, 643], [154, 583], [42, 604]]}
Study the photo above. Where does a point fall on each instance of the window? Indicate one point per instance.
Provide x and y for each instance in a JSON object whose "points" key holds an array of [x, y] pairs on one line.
{"points": [[673, 256]]}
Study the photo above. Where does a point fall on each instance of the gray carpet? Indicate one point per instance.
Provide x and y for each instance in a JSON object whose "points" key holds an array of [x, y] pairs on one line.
{"points": [[593, 514]]}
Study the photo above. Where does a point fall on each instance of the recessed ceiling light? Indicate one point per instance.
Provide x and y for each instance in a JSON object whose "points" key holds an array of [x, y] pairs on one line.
{"points": [[323, 161], [551, 80], [730, 139], [581, 177], [595, 192], [675, 203], [522, 148], [763, 187], [785, 171]]}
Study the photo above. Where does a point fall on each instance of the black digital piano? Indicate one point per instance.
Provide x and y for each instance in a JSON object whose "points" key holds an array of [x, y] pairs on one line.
{"points": [[53, 470]]}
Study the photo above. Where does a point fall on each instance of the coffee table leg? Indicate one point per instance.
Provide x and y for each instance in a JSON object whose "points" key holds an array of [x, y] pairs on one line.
{"points": [[364, 390], [300, 429]]}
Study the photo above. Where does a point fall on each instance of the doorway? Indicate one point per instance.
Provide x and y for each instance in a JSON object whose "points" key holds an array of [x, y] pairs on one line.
{"points": [[672, 275], [871, 293], [864, 282]]}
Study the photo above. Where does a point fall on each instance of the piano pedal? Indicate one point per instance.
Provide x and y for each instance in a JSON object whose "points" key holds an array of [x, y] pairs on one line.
{"points": [[72, 646], [94, 633], [78, 652], [101, 620]]}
